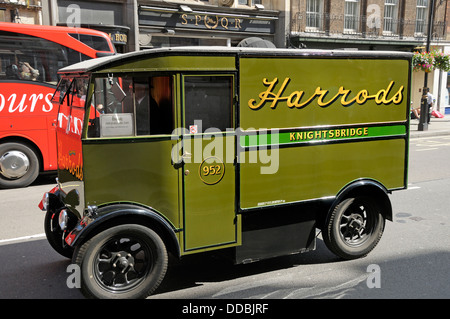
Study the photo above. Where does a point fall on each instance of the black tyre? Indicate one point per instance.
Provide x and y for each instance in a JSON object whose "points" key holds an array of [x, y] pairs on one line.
{"points": [[126, 261], [354, 227], [19, 165], [54, 235]]}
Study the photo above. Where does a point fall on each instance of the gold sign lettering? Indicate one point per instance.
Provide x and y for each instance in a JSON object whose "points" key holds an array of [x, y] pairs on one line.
{"points": [[297, 99], [212, 22], [329, 134]]}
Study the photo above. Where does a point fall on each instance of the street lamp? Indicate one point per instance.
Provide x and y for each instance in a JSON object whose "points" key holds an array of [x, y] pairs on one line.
{"points": [[423, 121]]}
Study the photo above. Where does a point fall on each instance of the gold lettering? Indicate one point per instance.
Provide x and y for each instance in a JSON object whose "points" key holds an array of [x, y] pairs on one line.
{"points": [[224, 23], [184, 18], [237, 24], [197, 19], [268, 95], [292, 136], [322, 94], [361, 97], [294, 99], [344, 94], [398, 97]]}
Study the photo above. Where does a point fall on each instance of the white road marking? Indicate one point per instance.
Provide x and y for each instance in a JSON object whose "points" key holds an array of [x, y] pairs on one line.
{"points": [[2, 241]]}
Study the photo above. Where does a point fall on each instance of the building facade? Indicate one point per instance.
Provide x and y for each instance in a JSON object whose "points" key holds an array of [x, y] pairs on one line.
{"points": [[21, 11], [399, 25], [142, 24], [365, 24]]}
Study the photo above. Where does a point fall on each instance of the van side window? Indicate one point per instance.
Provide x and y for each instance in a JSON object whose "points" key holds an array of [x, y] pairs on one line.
{"points": [[208, 101], [132, 106]]}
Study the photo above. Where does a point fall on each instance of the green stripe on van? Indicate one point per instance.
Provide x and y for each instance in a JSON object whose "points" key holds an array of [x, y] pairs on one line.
{"points": [[320, 135]]}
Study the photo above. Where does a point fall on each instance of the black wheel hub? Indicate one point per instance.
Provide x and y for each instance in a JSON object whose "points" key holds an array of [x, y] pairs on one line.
{"points": [[122, 263], [354, 225]]}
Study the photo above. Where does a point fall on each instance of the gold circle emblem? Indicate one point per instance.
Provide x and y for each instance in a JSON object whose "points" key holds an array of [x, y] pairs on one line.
{"points": [[211, 170]]}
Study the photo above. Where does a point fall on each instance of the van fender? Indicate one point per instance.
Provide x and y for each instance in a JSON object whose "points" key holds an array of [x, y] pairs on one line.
{"points": [[99, 219], [365, 187]]}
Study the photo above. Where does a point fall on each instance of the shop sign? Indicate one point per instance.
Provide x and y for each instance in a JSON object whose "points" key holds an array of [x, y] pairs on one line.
{"points": [[118, 37], [208, 21]]}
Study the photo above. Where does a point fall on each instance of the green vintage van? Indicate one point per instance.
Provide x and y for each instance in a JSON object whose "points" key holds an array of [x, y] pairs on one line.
{"points": [[248, 151]]}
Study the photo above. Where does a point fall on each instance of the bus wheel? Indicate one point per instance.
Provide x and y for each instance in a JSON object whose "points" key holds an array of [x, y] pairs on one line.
{"points": [[126, 261], [354, 227], [19, 165], [54, 235]]}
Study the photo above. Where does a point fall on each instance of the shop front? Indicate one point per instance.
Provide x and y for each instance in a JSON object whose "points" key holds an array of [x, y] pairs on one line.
{"points": [[183, 25], [143, 24], [113, 18]]}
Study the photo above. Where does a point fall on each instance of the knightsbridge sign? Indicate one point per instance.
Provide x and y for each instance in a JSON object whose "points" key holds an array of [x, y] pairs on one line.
{"points": [[208, 21]]}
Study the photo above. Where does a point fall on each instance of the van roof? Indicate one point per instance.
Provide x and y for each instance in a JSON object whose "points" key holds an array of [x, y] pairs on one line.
{"points": [[99, 63]]}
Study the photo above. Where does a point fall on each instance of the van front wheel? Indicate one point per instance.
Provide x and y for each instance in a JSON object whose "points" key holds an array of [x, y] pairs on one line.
{"points": [[354, 227], [126, 261]]}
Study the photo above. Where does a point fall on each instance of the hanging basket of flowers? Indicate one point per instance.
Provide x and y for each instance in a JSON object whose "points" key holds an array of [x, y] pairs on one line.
{"points": [[441, 61], [423, 61]]}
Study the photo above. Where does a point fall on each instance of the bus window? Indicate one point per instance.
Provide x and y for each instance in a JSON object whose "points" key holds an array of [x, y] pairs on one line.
{"points": [[132, 106], [95, 42], [29, 58], [208, 100]]}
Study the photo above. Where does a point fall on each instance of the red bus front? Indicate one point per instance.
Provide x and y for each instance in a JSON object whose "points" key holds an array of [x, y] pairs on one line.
{"points": [[30, 57]]}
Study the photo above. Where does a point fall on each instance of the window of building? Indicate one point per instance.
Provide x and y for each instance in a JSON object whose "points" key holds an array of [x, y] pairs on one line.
{"points": [[249, 2], [421, 16], [351, 16], [390, 16], [314, 9]]}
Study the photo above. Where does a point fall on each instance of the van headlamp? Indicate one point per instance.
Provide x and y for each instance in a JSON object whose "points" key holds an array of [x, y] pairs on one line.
{"points": [[63, 219], [45, 201]]}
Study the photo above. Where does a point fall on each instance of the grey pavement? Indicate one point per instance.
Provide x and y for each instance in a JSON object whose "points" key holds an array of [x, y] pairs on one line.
{"points": [[436, 127]]}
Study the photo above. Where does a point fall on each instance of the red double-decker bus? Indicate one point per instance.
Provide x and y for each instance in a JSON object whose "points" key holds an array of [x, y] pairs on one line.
{"points": [[30, 57]]}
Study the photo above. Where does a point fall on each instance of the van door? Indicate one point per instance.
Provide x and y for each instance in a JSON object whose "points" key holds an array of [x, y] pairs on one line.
{"points": [[209, 154]]}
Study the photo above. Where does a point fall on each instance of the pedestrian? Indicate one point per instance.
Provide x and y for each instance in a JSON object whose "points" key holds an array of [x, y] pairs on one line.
{"points": [[430, 99]]}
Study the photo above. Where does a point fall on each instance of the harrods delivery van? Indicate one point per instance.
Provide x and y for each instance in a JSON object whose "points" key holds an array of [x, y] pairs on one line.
{"points": [[244, 151]]}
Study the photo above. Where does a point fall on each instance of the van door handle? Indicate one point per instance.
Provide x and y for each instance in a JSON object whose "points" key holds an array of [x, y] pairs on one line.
{"points": [[184, 157]]}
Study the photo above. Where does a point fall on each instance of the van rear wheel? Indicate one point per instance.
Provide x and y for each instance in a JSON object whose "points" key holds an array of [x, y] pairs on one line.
{"points": [[354, 227], [126, 261]]}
